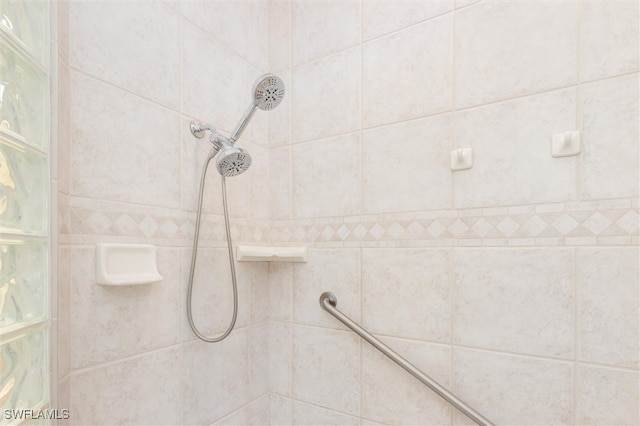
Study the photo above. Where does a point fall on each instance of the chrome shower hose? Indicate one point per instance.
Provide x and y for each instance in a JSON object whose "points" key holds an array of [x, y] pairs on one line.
{"points": [[194, 254]]}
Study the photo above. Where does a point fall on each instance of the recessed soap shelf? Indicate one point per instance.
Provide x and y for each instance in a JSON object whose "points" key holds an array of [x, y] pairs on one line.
{"points": [[126, 264], [271, 254]]}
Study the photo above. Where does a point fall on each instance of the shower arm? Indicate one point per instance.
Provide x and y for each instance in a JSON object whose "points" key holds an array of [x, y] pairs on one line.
{"points": [[217, 139]]}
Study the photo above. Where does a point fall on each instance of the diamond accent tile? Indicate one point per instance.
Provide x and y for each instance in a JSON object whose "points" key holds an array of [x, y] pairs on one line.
{"points": [[415, 229], [481, 227], [629, 222], [395, 230], [169, 228], [327, 233], [436, 229], [535, 225], [596, 223], [343, 232], [564, 224], [507, 226], [458, 227], [377, 231]]}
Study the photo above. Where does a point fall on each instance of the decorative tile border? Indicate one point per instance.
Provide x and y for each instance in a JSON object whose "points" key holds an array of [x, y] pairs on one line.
{"points": [[556, 224], [608, 222]]}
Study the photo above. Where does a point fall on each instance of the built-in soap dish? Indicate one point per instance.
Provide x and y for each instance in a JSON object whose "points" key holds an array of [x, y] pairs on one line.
{"points": [[126, 264], [271, 254]]}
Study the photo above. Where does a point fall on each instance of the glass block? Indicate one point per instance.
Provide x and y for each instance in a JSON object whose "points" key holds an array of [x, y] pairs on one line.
{"points": [[24, 98], [23, 190], [24, 380], [23, 283], [27, 23]]}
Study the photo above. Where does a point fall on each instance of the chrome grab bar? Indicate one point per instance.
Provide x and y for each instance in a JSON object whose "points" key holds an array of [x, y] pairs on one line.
{"points": [[328, 302]]}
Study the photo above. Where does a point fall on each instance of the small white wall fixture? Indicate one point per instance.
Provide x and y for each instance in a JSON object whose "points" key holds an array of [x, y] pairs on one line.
{"points": [[565, 144], [461, 159], [126, 264]]}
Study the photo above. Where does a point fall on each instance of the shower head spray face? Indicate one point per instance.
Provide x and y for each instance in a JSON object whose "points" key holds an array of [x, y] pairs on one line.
{"points": [[268, 92], [233, 161]]}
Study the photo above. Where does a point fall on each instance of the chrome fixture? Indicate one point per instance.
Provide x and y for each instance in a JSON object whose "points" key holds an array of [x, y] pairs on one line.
{"points": [[329, 301], [268, 92]]}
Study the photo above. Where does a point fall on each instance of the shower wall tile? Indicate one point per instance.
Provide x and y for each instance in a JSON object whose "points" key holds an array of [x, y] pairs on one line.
{"points": [[609, 160], [335, 270], [280, 291], [221, 20], [212, 288], [330, 187], [608, 309], [280, 182], [512, 154], [382, 17], [253, 414], [279, 35], [128, 321], [106, 37], [325, 97], [412, 287], [318, 415], [606, 397], [215, 377], [259, 362], [280, 362], [511, 389], [390, 396], [107, 395], [405, 166], [508, 49], [515, 300], [312, 38], [259, 184], [608, 39], [133, 161], [326, 369], [417, 82], [214, 91], [280, 410], [64, 317]]}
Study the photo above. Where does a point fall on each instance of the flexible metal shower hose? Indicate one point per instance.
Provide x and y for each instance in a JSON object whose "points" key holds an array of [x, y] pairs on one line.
{"points": [[195, 253]]}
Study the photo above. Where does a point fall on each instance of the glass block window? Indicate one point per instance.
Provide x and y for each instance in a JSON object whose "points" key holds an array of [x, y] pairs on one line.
{"points": [[25, 101]]}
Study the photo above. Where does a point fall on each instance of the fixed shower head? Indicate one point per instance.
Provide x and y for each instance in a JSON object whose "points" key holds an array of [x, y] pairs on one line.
{"points": [[268, 92], [232, 160]]}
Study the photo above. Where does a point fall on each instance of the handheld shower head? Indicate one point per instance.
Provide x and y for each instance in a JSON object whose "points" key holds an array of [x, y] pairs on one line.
{"points": [[268, 92]]}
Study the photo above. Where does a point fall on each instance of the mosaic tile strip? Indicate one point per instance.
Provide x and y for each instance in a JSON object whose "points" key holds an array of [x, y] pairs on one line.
{"points": [[574, 222], [86, 221], [561, 223]]}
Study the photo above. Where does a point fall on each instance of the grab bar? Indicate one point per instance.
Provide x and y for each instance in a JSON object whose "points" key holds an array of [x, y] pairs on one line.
{"points": [[329, 301]]}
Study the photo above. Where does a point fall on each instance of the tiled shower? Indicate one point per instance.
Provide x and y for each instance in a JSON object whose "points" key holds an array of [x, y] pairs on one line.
{"points": [[513, 283]]}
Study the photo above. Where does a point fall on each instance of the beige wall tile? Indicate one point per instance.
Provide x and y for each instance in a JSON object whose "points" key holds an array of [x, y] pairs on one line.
{"points": [[407, 74], [407, 293], [326, 97], [516, 300], [608, 308], [608, 39], [609, 159], [505, 50]]}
